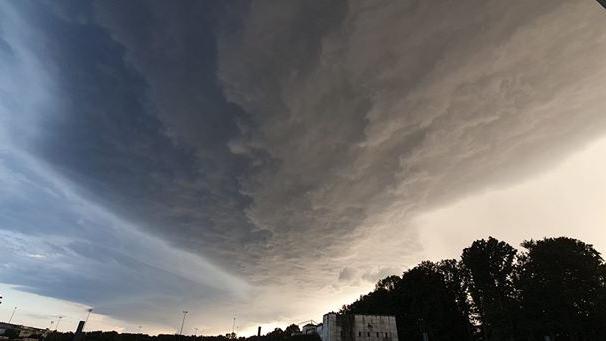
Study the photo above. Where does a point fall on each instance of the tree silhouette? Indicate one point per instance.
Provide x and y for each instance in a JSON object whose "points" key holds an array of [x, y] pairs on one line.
{"points": [[422, 302], [562, 289], [489, 269], [293, 329]]}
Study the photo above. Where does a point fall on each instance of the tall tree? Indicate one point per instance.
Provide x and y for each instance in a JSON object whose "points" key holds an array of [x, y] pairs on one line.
{"points": [[422, 303], [562, 289], [292, 329], [489, 269], [453, 275]]}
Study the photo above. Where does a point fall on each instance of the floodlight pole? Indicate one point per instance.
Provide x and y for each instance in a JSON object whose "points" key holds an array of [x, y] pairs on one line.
{"points": [[13, 314], [90, 310], [58, 320], [183, 321]]}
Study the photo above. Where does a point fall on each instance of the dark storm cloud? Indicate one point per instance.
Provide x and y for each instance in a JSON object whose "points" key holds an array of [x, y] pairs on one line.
{"points": [[287, 142], [398, 107], [72, 104], [148, 138], [173, 47]]}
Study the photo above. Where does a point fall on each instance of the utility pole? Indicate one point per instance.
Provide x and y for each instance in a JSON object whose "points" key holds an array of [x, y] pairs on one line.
{"points": [[13, 314], [183, 321]]}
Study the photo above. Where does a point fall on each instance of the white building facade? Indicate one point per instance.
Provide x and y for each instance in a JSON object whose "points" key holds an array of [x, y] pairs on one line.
{"points": [[336, 327]]}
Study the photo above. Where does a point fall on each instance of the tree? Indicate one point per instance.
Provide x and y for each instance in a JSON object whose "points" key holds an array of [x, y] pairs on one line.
{"points": [[489, 269], [293, 329], [562, 289], [421, 301], [276, 335], [388, 283], [454, 279]]}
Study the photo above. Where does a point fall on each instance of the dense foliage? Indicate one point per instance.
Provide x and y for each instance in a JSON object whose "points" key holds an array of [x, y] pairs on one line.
{"points": [[553, 290]]}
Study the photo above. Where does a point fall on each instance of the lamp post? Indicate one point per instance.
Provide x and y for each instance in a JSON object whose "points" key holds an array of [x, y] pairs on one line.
{"points": [[90, 310], [58, 320], [13, 314], [183, 321]]}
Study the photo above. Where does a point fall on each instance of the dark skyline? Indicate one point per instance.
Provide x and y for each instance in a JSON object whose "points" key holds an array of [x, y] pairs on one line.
{"points": [[225, 157]]}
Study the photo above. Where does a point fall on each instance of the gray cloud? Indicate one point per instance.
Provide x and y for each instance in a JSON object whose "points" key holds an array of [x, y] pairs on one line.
{"points": [[399, 107], [373, 276], [347, 274]]}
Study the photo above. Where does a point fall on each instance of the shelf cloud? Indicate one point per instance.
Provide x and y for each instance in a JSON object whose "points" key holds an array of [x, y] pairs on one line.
{"points": [[231, 155]]}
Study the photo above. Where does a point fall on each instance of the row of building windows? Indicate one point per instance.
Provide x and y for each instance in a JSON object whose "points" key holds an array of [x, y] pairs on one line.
{"points": [[379, 334]]}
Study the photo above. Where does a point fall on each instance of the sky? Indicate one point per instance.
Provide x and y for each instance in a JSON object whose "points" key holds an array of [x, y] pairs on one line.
{"points": [[271, 160]]}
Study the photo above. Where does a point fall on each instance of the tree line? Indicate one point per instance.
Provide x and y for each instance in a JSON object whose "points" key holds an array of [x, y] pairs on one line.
{"points": [[290, 333], [554, 289]]}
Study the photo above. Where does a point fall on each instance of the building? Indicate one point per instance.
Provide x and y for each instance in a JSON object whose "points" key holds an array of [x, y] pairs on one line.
{"points": [[23, 331], [346, 327]]}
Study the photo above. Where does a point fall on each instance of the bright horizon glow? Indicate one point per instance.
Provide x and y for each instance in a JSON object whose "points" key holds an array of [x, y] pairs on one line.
{"points": [[567, 200]]}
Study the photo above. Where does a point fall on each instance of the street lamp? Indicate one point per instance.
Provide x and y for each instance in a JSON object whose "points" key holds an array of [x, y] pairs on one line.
{"points": [[90, 310], [183, 322], [58, 320], [13, 314]]}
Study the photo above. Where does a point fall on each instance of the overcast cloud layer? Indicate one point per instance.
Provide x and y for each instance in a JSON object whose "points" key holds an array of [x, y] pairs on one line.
{"points": [[230, 157]]}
